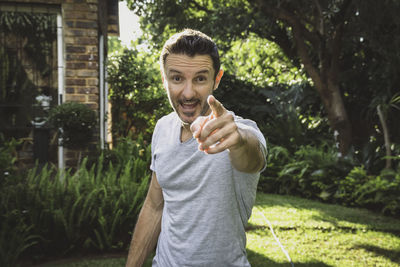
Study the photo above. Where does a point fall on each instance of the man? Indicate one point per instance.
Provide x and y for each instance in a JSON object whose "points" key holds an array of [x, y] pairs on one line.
{"points": [[205, 162]]}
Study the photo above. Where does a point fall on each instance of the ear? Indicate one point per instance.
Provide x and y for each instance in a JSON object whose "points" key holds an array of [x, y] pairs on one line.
{"points": [[218, 78]]}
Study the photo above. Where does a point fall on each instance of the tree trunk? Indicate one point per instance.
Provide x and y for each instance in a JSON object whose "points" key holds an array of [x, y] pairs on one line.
{"points": [[386, 137], [325, 78], [337, 115]]}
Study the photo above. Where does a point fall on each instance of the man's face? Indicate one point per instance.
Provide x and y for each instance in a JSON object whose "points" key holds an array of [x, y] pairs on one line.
{"points": [[189, 81]]}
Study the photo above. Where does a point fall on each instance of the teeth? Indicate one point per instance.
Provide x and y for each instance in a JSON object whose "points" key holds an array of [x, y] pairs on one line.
{"points": [[189, 103]]}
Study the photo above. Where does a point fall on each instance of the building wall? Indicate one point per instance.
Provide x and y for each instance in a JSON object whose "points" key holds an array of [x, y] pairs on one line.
{"points": [[82, 52], [83, 23]]}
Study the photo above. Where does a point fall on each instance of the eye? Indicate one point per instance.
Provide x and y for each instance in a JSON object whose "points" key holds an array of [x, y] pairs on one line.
{"points": [[201, 79], [176, 78]]}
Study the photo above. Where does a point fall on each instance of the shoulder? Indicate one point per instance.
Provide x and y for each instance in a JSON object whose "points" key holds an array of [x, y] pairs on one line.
{"points": [[165, 123], [241, 120], [251, 126], [167, 120]]}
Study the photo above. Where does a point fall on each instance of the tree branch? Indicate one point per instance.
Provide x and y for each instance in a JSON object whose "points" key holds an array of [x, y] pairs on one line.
{"points": [[335, 42], [319, 19], [385, 136], [196, 5], [300, 34]]}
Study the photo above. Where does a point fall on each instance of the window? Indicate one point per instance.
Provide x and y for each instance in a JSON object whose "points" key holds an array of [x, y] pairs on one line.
{"points": [[28, 78]]}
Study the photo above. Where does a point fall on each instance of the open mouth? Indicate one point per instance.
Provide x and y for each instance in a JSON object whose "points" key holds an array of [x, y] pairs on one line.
{"points": [[189, 106]]}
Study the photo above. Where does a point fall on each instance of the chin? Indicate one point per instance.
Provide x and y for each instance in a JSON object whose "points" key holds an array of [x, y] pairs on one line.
{"points": [[187, 119]]}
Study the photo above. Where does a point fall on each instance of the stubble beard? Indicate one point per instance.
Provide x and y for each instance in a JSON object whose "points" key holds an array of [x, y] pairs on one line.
{"points": [[203, 112], [204, 108]]}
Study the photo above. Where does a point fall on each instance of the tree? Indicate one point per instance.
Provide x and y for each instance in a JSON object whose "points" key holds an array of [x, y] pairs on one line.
{"points": [[137, 97], [311, 33], [316, 35]]}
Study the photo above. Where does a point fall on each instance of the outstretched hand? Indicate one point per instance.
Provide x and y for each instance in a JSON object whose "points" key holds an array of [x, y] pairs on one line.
{"points": [[218, 131]]}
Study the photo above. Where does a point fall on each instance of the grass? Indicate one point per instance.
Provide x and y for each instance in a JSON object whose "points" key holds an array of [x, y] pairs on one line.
{"points": [[314, 234], [317, 234]]}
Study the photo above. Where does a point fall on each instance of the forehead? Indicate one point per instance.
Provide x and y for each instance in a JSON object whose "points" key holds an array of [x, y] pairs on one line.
{"points": [[186, 64]]}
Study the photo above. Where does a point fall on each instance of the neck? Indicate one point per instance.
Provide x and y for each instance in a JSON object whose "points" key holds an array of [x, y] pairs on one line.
{"points": [[186, 134]]}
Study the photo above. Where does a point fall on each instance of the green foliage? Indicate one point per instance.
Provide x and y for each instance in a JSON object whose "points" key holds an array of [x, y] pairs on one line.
{"points": [[114, 46], [319, 173], [137, 96], [380, 192], [7, 157], [350, 31], [288, 116], [312, 172], [76, 121], [261, 62], [60, 212], [308, 171], [129, 146], [15, 237], [347, 186]]}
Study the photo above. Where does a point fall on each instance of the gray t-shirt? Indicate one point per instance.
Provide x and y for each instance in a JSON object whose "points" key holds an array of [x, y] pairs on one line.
{"points": [[207, 202]]}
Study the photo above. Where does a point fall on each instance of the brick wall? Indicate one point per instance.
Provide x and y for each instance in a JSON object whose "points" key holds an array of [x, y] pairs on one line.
{"points": [[83, 22], [81, 43]]}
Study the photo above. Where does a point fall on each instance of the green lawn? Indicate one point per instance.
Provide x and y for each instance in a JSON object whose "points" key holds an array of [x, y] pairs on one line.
{"points": [[314, 234]]}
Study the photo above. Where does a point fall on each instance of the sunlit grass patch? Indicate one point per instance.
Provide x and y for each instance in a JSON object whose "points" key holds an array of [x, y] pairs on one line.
{"points": [[317, 234]]}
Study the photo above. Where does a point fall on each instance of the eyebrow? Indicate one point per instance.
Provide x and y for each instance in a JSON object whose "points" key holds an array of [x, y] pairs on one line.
{"points": [[199, 72]]}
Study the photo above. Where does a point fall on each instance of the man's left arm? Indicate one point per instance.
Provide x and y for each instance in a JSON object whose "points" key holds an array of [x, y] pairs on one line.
{"points": [[247, 156], [219, 132]]}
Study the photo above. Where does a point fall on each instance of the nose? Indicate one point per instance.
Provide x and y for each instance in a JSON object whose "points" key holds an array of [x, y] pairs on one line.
{"points": [[188, 90]]}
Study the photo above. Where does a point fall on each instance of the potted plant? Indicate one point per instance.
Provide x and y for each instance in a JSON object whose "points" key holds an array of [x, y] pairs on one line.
{"points": [[76, 122]]}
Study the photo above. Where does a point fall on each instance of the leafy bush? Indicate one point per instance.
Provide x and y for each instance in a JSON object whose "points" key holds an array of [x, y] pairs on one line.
{"points": [[7, 156], [137, 96], [289, 115], [277, 157], [309, 172], [351, 183], [319, 173], [15, 236], [60, 212], [377, 192], [76, 121], [380, 192]]}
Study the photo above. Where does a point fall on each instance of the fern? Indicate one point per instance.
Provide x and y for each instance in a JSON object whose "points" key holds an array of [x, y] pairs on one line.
{"points": [[94, 207]]}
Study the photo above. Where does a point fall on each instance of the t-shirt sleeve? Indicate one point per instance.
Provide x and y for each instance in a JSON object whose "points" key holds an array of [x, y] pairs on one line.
{"points": [[154, 140]]}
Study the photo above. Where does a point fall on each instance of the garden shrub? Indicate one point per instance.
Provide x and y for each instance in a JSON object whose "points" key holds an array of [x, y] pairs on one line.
{"points": [[7, 157], [76, 121], [277, 157], [15, 233], [309, 172], [319, 173], [137, 96], [64, 212], [350, 184], [380, 192]]}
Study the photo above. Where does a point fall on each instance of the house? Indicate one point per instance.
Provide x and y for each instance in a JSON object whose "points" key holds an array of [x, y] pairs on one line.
{"points": [[51, 52]]}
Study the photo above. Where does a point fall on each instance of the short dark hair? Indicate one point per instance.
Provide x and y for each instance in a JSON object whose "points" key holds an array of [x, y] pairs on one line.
{"points": [[191, 42]]}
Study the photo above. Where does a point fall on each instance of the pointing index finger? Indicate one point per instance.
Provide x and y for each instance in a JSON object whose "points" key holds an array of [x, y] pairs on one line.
{"points": [[216, 106]]}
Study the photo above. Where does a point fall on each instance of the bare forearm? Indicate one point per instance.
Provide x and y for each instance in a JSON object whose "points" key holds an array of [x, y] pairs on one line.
{"points": [[145, 236], [148, 226], [247, 156]]}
